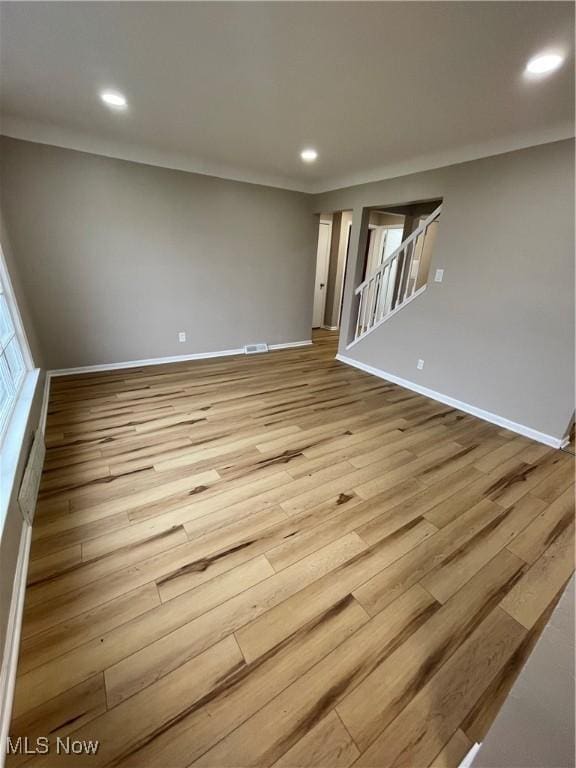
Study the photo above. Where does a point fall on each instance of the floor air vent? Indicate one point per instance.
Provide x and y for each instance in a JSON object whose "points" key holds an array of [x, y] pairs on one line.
{"points": [[254, 349], [31, 479]]}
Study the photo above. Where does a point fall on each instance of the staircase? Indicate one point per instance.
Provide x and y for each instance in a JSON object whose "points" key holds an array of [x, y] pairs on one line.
{"points": [[397, 281]]}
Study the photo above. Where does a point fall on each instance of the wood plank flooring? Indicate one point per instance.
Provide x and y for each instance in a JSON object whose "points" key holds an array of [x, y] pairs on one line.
{"points": [[281, 561]]}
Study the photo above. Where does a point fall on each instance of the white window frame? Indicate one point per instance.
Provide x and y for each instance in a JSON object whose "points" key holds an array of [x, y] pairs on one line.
{"points": [[18, 334]]}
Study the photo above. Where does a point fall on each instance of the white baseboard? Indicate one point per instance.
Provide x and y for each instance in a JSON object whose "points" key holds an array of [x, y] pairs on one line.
{"points": [[45, 401], [385, 319], [164, 360], [470, 755], [330, 327], [12, 646], [493, 418], [289, 344]]}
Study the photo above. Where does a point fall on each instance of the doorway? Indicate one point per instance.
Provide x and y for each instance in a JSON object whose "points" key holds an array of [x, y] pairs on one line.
{"points": [[322, 267], [331, 261]]}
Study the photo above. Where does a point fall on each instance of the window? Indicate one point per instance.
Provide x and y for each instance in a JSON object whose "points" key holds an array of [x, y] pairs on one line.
{"points": [[14, 356]]}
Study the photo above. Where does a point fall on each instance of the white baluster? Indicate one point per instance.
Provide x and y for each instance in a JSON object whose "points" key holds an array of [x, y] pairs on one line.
{"points": [[376, 292], [360, 303], [371, 306]]}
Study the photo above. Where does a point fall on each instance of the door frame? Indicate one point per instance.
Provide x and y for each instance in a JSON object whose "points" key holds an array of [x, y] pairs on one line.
{"points": [[345, 266], [321, 224]]}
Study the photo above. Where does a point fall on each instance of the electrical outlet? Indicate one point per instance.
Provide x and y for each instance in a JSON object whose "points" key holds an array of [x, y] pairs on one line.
{"points": [[420, 364], [439, 276], [182, 336]]}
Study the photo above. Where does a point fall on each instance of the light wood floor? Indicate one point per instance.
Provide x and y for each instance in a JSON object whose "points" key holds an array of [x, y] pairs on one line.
{"points": [[280, 560]]}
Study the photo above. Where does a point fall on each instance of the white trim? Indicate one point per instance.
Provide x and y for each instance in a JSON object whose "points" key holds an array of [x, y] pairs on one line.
{"points": [[13, 439], [164, 360], [289, 344], [12, 644], [45, 401], [493, 418], [387, 317], [139, 363], [344, 266], [329, 327], [470, 755]]}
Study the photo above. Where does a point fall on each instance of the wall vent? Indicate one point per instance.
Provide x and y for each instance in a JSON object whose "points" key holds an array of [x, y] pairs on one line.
{"points": [[31, 479], [254, 349]]}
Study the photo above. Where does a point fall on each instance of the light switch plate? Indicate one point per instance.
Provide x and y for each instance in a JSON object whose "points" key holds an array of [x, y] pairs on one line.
{"points": [[439, 276]]}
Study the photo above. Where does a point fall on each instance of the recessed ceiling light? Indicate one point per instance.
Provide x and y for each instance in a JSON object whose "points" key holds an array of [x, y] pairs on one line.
{"points": [[309, 155], [113, 99], [544, 63]]}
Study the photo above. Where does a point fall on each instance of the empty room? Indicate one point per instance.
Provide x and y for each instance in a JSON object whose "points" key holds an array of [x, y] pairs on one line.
{"points": [[287, 386]]}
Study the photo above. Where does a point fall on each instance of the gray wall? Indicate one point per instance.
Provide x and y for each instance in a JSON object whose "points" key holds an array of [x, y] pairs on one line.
{"points": [[535, 726], [115, 258], [498, 333], [21, 298]]}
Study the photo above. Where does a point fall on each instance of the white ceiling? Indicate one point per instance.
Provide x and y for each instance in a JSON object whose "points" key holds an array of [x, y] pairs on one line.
{"points": [[238, 89]]}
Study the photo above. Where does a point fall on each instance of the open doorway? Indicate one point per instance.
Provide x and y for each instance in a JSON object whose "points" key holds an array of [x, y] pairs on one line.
{"points": [[322, 269], [331, 261]]}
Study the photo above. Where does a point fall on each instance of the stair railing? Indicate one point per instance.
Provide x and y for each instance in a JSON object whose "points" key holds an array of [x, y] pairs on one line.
{"points": [[395, 282]]}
